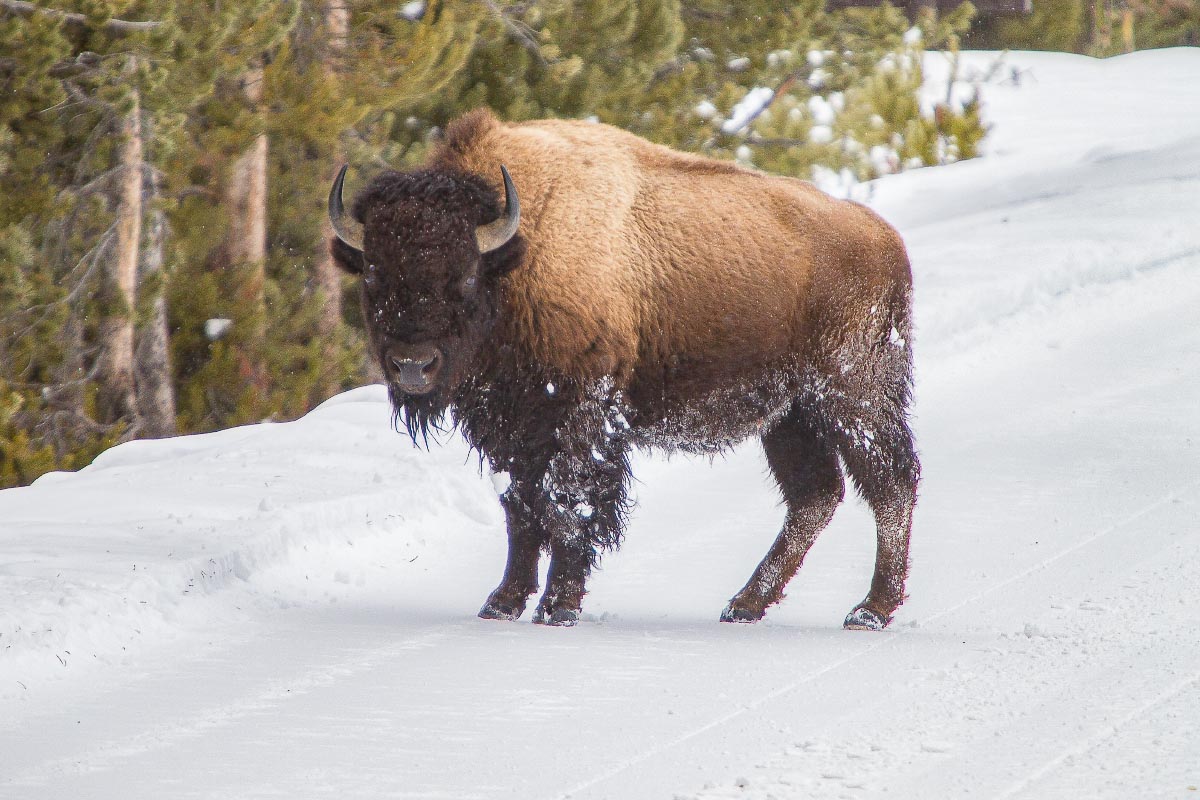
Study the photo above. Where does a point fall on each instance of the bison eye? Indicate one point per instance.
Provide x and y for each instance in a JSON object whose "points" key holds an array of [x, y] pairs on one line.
{"points": [[468, 284]]}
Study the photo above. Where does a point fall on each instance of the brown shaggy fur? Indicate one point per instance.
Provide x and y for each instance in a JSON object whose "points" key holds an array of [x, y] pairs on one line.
{"points": [[640, 255], [678, 302]]}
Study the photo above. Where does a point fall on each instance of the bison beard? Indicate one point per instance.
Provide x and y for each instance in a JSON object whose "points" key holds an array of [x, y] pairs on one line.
{"points": [[622, 316], [419, 414]]}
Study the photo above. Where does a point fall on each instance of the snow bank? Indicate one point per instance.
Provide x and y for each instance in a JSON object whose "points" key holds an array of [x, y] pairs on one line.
{"points": [[1083, 185], [126, 550]]}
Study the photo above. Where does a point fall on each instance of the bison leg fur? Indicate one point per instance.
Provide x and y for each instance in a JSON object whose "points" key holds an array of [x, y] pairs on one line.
{"points": [[526, 539], [585, 506], [562, 602], [882, 461], [805, 465]]}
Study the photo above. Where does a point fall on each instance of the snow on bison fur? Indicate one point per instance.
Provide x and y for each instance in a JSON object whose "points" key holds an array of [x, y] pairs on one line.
{"points": [[629, 295]]}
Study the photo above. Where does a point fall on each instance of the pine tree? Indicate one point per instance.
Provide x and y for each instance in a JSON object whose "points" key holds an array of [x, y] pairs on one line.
{"points": [[1165, 23], [187, 286], [102, 96], [1061, 25], [321, 103], [552, 59], [1093, 27]]}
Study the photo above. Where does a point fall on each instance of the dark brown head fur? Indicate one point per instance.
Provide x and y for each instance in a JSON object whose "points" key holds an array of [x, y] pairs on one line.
{"points": [[426, 289]]}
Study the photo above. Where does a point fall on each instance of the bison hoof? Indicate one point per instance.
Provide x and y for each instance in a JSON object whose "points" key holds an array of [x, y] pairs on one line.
{"points": [[735, 614], [560, 617], [494, 610], [864, 619]]}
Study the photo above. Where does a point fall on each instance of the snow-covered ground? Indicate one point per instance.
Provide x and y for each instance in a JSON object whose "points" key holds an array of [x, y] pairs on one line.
{"points": [[289, 610]]}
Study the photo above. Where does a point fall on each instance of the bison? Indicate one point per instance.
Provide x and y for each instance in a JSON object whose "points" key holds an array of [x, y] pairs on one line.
{"points": [[628, 295]]}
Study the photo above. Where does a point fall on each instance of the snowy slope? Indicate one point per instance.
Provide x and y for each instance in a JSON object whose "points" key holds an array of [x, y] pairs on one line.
{"points": [[288, 610]]}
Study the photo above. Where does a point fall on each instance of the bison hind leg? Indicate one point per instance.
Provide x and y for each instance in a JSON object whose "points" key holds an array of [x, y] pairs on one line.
{"points": [[881, 458], [805, 464]]}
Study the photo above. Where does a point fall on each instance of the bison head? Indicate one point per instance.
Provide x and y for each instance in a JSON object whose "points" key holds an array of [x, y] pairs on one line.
{"points": [[430, 246]]}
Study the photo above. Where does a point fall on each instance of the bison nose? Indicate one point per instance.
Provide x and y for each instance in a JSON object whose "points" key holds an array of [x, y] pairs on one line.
{"points": [[415, 368]]}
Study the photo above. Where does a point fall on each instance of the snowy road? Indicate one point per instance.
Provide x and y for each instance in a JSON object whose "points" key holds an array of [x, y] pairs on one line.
{"points": [[288, 610]]}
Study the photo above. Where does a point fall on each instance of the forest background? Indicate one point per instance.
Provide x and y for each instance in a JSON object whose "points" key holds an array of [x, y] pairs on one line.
{"points": [[164, 165]]}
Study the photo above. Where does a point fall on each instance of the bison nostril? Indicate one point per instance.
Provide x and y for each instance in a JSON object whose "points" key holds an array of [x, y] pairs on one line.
{"points": [[406, 363], [415, 369]]}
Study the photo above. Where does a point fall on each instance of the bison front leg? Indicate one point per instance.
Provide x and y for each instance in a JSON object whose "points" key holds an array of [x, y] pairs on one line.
{"points": [[584, 506], [526, 538], [562, 602]]}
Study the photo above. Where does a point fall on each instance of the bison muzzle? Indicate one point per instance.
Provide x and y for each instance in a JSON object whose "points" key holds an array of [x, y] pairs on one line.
{"points": [[633, 296]]}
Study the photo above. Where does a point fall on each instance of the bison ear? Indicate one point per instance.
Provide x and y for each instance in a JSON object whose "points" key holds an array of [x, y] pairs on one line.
{"points": [[349, 259], [506, 259]]}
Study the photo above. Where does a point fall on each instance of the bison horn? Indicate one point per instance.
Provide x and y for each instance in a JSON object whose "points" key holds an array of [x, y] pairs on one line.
{"points": [[346, 229], [495, 234]]}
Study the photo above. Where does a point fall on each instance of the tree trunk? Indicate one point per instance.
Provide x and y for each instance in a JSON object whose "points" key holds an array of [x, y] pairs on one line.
{"points": [[1099, 28], [247, 196], [116, 399], [914, 8], [246, 243], [328, 276], [155, 390]]}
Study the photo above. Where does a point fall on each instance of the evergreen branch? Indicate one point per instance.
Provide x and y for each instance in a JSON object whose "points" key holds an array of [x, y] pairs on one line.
{"points": [[672, 67], [42, 387], [80, 21], [148, 169], [700, 15], [376, 159], [93, 256], [519, 31], [96, 184], [81, 98], [195, 191], [73, 415], [774, 141], [783, 89], [93, 138], [81, 63]]}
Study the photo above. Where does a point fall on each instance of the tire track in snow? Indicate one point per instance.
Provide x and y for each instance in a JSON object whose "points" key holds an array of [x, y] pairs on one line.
{"points": [[1185, 490], [1095, 740], [976, 721], [278, 690], [885, 639], [753, 705], [1040, 298]]}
